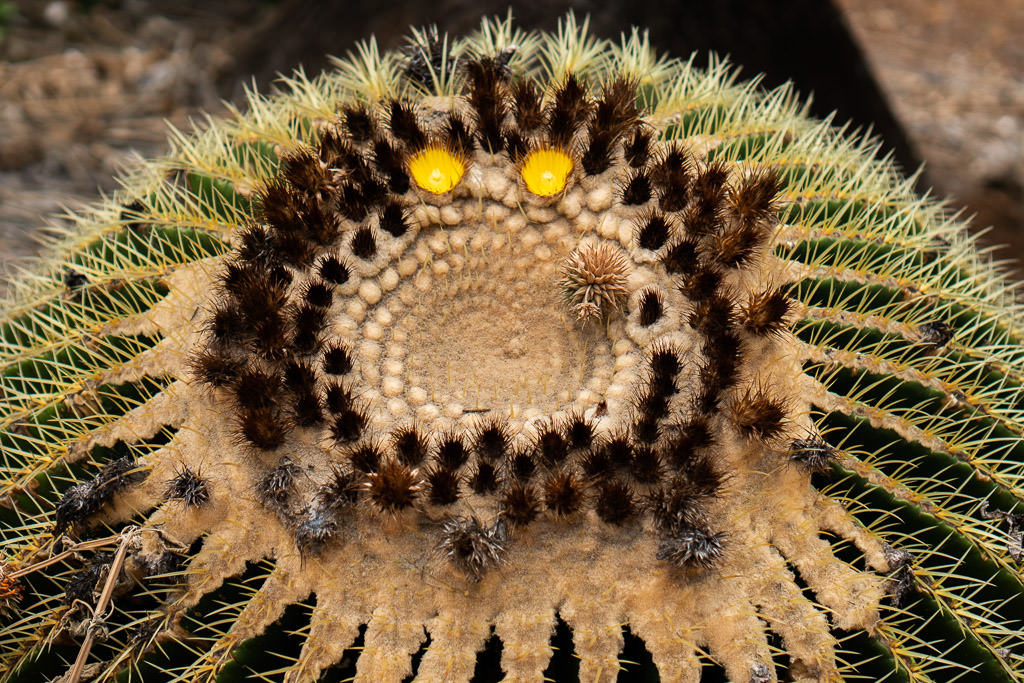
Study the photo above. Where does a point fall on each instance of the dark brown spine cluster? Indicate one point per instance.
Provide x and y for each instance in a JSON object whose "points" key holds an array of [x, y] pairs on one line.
{"points": [[520, 503], [652, 306], [528, 113], [671, 176], [348, 424], [265, 337], [488, 86], [333, 269], [393, 487], [653, 230], [337, 359], [550, 447], [520, 465], [442, 485], [516, 145], [635, 188], [767, 312], [491, 439], [615, 502], [404, 126], [567, 112], [758, 413], [365, 457], [450, 450], [614, 114], [188, 486], [563, 491], [579, 431], [637, 149], [392, 219], [80, 502], [391, 162], [359, 123], [409, 446], [363, 242]]}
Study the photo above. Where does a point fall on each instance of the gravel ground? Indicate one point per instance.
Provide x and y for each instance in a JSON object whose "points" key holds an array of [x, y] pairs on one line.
{"points": [[86, 85]]}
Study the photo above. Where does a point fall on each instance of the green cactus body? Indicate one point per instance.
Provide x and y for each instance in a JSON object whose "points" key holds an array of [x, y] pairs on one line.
{"points": [[407, 371]]}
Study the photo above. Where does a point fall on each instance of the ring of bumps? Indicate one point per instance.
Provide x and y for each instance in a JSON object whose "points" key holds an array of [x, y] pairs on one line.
{"points": [[461, 344]]}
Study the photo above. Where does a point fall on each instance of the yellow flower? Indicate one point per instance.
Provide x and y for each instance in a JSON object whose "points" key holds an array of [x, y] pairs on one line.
{"points": [[545, 171], [436, 169]]}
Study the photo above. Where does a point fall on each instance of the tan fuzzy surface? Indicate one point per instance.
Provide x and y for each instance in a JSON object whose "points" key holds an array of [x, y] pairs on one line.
{"points": [[529, 360]]}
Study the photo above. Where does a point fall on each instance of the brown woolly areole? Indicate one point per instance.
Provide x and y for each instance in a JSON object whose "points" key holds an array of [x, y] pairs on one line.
{"points": [[461, 319]]}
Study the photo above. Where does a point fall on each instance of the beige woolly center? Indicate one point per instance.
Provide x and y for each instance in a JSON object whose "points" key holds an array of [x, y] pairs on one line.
{"points": [[494, 338]]}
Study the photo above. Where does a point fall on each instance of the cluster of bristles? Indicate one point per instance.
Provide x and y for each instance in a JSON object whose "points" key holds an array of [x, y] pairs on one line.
{"points": [[702, 227], [82, 501], [515, 118], [564, 469]]}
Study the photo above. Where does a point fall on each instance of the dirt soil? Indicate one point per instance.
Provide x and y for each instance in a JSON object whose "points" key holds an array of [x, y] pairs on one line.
{"points": [[86, 85]]}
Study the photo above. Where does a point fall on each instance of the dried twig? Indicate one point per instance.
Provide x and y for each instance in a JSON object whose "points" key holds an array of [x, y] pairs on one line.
{"points": [[101, 605], [76, 548]]}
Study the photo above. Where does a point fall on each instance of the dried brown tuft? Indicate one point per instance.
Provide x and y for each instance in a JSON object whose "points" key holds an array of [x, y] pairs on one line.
{"points": [[393, 487], [757, 414], [594, 280]]}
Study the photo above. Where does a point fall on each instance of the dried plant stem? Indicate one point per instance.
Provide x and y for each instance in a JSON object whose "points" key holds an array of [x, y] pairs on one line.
{"points": [[101, 605], [76, 548]]}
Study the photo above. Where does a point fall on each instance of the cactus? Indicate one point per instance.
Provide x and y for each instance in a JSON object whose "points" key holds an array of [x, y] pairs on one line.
{"points": [[531, 352]]}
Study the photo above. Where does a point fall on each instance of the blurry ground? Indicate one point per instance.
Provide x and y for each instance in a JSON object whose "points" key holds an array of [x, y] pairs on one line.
{"points": [[83, 85], [954, 74], [81, 91]]}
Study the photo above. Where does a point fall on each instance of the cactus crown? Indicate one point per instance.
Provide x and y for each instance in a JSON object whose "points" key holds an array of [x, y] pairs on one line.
{"points": [[467, 348]]}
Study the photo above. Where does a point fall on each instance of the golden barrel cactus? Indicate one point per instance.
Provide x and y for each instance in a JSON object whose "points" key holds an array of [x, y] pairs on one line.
{"points": [[522, 354]]}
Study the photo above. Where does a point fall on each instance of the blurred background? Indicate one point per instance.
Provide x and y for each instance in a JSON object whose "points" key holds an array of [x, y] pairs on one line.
{"points": [[85, 84]]}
